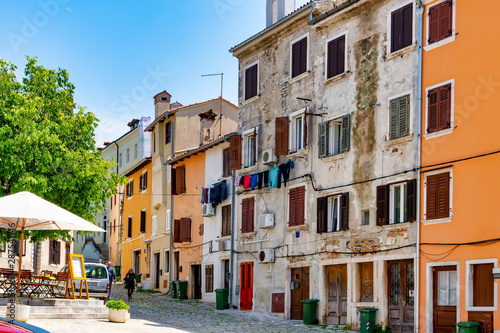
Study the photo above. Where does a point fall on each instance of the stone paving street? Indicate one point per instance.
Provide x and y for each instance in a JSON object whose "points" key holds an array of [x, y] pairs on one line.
{"points": [[161, 313]]}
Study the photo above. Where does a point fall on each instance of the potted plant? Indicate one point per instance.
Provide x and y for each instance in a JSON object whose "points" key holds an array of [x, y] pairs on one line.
{"points": [[118, 311]]}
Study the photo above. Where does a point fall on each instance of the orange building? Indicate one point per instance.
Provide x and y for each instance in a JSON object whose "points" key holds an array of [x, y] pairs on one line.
{"points": [[459, 233], [136, 217], [188, 176]]}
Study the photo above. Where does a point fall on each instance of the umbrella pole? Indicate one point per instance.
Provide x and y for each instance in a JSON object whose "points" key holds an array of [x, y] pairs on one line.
{"points": [[20, 257]]}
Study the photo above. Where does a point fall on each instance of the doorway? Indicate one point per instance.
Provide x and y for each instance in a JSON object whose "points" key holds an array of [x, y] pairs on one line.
{"points": [[176, 266], [137, 262], [196, 278], [401, 295], [156, 270], [246, 286], [444, 299], [336, 277], [226, 272], [299, 292]]}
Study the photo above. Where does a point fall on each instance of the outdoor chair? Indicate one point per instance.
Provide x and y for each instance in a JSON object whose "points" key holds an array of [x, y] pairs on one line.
{"points": [[58, 286], [28, 286], [8, 283]]}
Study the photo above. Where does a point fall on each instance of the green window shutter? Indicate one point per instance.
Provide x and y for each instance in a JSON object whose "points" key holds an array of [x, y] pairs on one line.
{"points": [[346, 133], [323, 139], [394, 119], [404, 116]]}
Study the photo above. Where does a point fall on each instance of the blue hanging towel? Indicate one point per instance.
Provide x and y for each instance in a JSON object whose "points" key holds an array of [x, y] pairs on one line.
{"points": [[273, 177], [254, 181], [202, 195]]}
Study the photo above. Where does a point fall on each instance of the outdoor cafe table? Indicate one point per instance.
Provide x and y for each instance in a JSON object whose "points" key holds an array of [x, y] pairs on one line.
{"points": [[46, 286]]}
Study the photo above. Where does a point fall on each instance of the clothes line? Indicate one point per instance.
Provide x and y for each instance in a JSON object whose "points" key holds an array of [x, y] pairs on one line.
{"points": [[272, 178]]}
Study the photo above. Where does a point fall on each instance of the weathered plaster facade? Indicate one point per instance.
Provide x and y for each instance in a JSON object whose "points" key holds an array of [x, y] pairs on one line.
{"points": [[373, 76]]}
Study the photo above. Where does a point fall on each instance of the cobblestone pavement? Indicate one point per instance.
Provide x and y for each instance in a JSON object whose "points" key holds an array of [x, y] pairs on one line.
{"points": [[159, 312]]}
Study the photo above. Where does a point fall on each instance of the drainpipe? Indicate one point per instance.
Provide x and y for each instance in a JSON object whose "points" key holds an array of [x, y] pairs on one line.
{"points": [[171, 253], [231, 258], [312, 10], [119, 202], [420, 10]]}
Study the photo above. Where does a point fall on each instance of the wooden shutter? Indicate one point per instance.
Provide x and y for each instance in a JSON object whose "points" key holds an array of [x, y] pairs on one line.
{"points": [[323, 139], [173, 181], [445, 19], [393, 123], [411, 200], [177, 231], [185, 229], [434, 33], [251, 82], [235, 153], [225, 163], [250, 220], [57, 254], [254, 144], [180, 182], [297, 206], [433, 109], [366, 272], [209, 278], [432, 197], [344, 211], [382, 205], [336, 57], [247, 215], [292, 204], [397, 30], [346, 133], [404, 116], [167, 133], [281, 136], [226, 220], [483, 290], [145, 180], [299, 57], [244, 215], [140, 183], [443, 195], [340, 61], [444, 115], [322, 214]]}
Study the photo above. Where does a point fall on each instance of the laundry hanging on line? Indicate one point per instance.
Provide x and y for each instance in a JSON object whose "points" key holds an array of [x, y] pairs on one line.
{"points": [[214, 195]]}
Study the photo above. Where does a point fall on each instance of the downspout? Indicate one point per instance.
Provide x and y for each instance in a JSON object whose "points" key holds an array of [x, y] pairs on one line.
{"points": [[312, 10], [171, 253], [231, 258], [119, 202], [420, 11]]}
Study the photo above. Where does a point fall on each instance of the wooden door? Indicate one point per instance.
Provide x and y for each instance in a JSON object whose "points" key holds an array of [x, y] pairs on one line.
{"points": [[246, 286], [156, 273], [176, 266], [337, 294], [196, 278], [401, 295], [137, 262], [226, 273], [444, 296], [299, 292]]}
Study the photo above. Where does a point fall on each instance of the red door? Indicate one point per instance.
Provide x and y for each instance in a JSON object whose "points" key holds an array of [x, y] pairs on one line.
{"points": [[246, 286]]}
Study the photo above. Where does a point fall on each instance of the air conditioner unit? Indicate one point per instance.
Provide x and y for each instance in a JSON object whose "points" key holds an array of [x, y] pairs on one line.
{"points": [[208, 210], [225, 245], [266, 255], [268, 156], [266, 221]]}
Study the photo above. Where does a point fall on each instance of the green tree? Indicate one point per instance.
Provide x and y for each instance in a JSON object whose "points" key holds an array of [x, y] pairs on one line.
{"points": [[47, 145]]}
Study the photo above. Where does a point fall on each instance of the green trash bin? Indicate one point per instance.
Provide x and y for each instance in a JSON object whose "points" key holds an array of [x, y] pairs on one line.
{"points": [[173, 289], [138, 278], [310, 307], [468, 327], [222, 298], [182, 289], [367, 316]]}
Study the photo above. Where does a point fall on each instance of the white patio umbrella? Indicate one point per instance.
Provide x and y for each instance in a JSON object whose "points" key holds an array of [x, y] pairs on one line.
{"points": [[25, 210]]}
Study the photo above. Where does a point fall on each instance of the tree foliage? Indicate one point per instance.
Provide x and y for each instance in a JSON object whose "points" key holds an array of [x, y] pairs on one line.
{"points": [[47, 145]]}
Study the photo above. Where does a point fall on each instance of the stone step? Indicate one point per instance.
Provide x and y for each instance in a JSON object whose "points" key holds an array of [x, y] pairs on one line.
{"points": [[68, 316], [55, 302], [62, 309]]}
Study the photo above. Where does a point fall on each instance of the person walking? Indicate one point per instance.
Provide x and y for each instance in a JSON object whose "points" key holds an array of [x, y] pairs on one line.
{"points": [[130, 283], [112, 277]]}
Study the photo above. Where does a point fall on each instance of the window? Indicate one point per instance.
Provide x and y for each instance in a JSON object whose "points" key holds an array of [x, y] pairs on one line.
{"points": [[129, 227], [54, 252], [180, 179], [440, 19], [143, 181], [298, 133], [235, 153], [333, 213], [483, 285], [250, 149], [251, 81], [365, 216], [17, 247], [135, 151], [447, 288], [114, 226], [226, 220], [226, 172], [96, 272], [439, 108], [299, 57], [154, 225], [366, 281], [334, 136], [209, 278], [437, 197], [247, 215], [120, 160], [335, 57], [168, 133], [402, 28], [296, 206], [182, 230], [154, 142], [143, 221], [130, 188], [167, 262], [399, 117], [128, 155], [397, 203]]}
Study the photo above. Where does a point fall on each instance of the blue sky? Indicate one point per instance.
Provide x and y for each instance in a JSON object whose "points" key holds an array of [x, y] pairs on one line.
{"points": [[121, 53]]}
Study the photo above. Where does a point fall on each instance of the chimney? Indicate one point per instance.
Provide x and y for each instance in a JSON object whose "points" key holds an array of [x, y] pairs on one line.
{"points": [[162, 103], [277, 9]]}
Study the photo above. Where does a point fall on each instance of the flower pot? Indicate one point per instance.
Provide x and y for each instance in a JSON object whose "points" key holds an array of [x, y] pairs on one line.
{"points": [[118, 316], [22, 312]]}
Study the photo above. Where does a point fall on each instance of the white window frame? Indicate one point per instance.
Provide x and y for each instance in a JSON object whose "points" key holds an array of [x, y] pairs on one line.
{"points": [[410, 116], [154, 225], [308, 67], [428, 5], [305, 204], [429, 293], [246, 134], [136, 150], [329, 223], [469, 283], [436, 172], [292, 135], [332, 138], [346, 61], [452, 111], [389, 25], [391, 202], [245, 80]]}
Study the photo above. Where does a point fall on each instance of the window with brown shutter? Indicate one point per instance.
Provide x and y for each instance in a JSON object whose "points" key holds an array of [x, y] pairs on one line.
{"points": [[180, 180], [251, 81], [483, 290], [366, 281], [439, 109], [235, 153], [382, 205], [143, 221], [335, 57], [177, 231], [168, 133], [129, 227], [247, 215], [226, 220], [402, 28], [333, 213], [185, 229], [411, 201], [322, 214], [438, 196], [440, 21], [281, 136], [299, 57], [226, 172], [130, 189], [296, 206], [209, 278], [173, 182], [54, 252]]}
